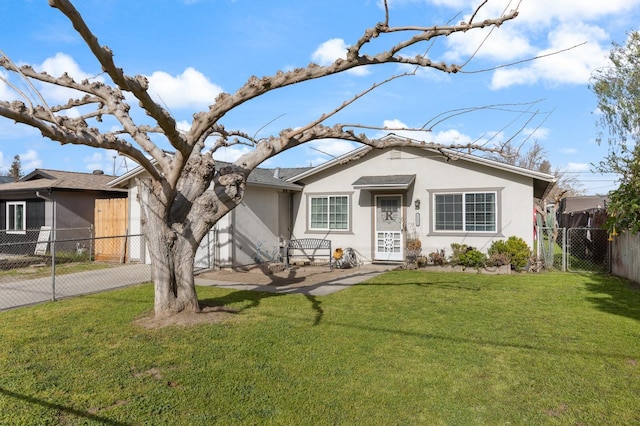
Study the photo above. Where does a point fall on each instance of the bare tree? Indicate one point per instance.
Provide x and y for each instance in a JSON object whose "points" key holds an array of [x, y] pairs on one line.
{"points": [[535, 158], [178, 208]]}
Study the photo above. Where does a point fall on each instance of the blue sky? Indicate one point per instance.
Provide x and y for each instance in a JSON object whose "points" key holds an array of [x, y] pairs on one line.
{"points": [[190, 50]]}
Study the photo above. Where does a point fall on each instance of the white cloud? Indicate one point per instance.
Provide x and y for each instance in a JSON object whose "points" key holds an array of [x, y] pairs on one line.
{"points": [[332, 147], [29, 160], [538, 12], [546, 11], [56, 66], [62, 63], [394, 124], [231, 153], [540, 133], [333, 49], [183, 125], [445, 137], [500, 45], [452, 137], [329, 51], [571, 67], [191, 89], [567, 23], [577, 167]]}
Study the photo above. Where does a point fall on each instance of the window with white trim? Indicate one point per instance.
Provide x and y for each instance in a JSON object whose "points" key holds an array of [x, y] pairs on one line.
{"points": [[16, 216], [329, 212], [466, 211]]}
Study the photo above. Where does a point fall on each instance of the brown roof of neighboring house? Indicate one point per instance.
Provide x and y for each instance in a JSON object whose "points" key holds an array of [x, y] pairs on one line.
{"points": [[57, 179]]}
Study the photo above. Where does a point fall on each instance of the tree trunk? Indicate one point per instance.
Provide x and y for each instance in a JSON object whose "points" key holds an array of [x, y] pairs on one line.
{"points": [[172, 253]]}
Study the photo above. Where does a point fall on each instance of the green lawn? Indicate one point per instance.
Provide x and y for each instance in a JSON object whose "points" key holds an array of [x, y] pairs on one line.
{"points": [[408, 347], [39, 271]]}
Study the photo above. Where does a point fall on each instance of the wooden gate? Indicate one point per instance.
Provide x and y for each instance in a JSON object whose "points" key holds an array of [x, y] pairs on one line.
{"points": [[110, 219]]}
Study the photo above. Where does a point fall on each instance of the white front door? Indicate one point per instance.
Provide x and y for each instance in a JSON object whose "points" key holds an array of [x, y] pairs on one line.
{"points": [[388, 230]]}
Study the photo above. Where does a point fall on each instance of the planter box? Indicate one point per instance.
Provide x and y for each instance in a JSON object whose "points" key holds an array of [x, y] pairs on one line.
{"points": [[491, 270]]}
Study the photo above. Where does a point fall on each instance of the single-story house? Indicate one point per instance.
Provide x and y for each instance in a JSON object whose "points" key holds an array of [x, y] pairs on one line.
{"points": [[371, 200], [61, 200]]}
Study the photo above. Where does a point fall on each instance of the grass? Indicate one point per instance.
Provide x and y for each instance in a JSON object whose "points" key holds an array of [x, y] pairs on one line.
{"points": [[40, 271], [408, 347]]}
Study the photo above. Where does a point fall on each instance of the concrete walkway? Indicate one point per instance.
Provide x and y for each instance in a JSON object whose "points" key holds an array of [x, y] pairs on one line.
{"points": [[323, 288], [38, 290]]}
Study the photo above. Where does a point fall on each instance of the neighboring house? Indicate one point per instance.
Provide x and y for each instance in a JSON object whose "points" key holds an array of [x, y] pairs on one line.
{"points": [[57, 199], [371, 200], [588, 211], [6, 179]]}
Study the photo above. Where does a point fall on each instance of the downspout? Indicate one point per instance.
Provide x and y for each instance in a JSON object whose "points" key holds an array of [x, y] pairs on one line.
{"points": [[53, 242]]}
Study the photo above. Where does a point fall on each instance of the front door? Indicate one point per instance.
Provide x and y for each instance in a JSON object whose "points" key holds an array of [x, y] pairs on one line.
{"points": [[388, 230]]}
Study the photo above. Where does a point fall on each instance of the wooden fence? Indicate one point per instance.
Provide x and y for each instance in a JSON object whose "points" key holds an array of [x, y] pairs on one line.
{"points": [[625, 256], [111, 221]]}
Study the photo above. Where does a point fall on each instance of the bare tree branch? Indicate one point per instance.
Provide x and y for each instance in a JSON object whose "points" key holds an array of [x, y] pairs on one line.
{"points": [[511, 64]]}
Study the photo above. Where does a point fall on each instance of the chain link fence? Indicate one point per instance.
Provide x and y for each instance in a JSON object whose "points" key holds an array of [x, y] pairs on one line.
{"points": [[574, 249], [44, 264]]}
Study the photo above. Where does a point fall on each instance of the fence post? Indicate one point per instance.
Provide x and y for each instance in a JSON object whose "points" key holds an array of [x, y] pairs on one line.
{"points": [[564, 249], [53, 266]]}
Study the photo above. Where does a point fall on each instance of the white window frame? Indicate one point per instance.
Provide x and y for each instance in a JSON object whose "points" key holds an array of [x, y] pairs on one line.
{"points": [[23, 229], [328, 222], [463, 195]]}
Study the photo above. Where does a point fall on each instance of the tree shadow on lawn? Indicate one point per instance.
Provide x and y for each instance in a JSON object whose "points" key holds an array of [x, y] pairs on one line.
{"points": [[617, 296], [60, 408], [251, 299]]}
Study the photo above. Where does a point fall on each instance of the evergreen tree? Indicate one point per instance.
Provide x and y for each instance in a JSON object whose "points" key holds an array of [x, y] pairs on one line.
{"points": [[15, 170]]}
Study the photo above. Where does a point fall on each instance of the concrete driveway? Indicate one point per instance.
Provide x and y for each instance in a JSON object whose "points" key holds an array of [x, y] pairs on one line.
{"points": [[38, 290]]}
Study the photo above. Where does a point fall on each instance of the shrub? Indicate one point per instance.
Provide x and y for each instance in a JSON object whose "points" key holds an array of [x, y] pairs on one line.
{"points": [[414, 245], [467, 256], [499, 259], [438, 257], [517, 249]]}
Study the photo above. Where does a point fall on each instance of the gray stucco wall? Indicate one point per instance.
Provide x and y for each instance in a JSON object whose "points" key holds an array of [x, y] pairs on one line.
{"points": [[256, 223]]}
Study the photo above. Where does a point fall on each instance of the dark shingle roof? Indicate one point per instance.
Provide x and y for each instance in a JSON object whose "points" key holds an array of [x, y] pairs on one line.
{"points": [[391, 181], [57, 179]]}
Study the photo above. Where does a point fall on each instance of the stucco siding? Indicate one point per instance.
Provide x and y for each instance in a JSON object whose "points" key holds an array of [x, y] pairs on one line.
{"points": [[256, 222]]}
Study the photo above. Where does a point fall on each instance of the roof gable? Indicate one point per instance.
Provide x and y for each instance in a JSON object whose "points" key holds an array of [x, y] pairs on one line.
{"points": [[542, 182]]}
